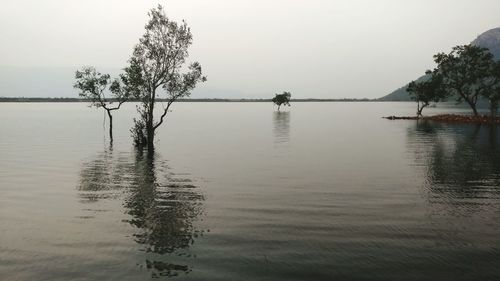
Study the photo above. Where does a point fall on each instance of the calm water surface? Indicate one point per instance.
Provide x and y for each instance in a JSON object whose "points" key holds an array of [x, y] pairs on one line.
{"points": [[237, 191]]}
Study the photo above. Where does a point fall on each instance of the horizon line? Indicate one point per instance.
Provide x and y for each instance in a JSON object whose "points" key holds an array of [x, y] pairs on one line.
{"points": [[69, 99]]}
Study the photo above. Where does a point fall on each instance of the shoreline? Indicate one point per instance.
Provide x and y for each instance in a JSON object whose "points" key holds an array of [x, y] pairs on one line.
{"points": [[23, 99], [451, 118]]}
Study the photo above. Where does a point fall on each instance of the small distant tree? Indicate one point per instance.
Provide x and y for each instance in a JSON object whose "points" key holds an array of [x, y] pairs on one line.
{"points": [[282, 99], [94, 87], [427, 91], [155, 71], [463, 71]]}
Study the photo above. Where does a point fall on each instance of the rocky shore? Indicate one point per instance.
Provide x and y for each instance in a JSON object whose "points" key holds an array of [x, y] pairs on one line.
{"points": [[451, 118]]}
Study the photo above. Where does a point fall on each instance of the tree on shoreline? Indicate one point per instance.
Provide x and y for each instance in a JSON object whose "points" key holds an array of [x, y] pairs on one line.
{"points": [[93, 85], [427, 91], [492, 89], [156, 67], [463, 71], [282, 99]]}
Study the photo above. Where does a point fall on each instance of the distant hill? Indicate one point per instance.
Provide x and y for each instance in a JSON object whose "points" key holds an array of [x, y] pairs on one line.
{"points": [[401, 94], [489, 39]]}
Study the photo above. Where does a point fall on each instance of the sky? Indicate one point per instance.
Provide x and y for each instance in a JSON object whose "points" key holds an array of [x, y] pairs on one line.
{"points": [[248, 48]]}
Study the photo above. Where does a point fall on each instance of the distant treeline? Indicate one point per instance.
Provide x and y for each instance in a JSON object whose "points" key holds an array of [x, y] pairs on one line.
{"points": [[24, 99]]}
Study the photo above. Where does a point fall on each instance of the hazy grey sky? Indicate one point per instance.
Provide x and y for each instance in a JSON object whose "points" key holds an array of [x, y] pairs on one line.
{"points": [[253, 48]]}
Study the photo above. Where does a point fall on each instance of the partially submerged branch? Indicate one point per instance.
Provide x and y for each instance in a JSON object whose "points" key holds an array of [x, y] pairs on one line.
{"points": [[93, 86]]}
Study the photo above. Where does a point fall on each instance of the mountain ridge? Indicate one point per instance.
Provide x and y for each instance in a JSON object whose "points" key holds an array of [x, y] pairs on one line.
{"points": [[489, 39]]}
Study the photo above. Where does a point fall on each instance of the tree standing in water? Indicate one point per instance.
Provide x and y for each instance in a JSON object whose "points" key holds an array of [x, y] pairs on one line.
{"points": [[282, 99], [155, 71], [93, 86]]}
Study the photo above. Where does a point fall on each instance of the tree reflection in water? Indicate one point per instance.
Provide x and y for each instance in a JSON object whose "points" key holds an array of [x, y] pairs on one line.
{"points": [[281, 121], [460, 166], [100, 178], [462, 161], [163, 208]]}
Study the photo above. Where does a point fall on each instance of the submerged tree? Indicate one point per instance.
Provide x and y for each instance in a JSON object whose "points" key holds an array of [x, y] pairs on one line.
{"points": [[427, 91], [93, 86], [282, 99], [155, 72], [463, 71]]}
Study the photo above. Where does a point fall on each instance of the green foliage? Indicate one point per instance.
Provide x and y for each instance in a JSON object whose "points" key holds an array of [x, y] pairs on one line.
{"points": [[491, 84], [426, 91], [282, 99], [468, 72], [156, 68], [464, 70], [138, 131], [93, 86]]}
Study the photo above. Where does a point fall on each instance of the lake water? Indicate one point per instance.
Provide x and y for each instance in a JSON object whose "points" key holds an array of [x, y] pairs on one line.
{"points": [[237, 191]]}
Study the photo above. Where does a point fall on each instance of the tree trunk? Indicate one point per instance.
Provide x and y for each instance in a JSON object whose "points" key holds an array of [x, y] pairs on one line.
{"points": [[110, 125], [420, 108], [150, 131], [151, 135], [470, 101], [472, 106], [474, 110], [419, 111]]}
